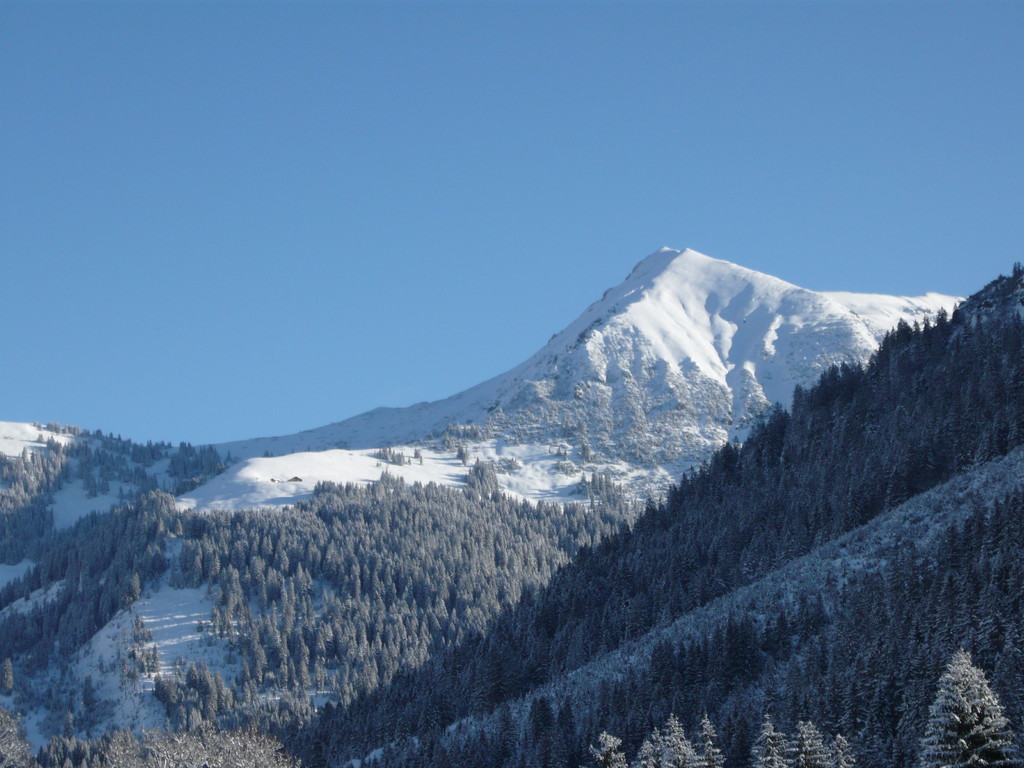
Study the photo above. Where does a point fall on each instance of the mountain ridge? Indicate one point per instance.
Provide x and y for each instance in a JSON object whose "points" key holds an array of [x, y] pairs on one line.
{"points": [[647, 381]]}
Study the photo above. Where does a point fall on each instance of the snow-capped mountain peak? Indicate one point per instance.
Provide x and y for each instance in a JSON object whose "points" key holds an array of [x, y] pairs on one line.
{"points": [[689, 309], [682, 355]]}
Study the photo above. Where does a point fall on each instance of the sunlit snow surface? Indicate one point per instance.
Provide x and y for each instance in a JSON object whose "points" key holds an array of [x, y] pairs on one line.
{"points": [[173, 617], [15, 437], [529, 471]]}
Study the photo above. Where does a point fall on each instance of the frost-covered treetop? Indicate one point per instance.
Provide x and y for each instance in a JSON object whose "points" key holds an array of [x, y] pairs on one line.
{"points": [[966, 724]]}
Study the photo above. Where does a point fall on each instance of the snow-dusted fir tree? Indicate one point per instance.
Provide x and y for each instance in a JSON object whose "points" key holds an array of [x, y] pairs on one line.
{"points": [[842, 755], [808, 747], [677, 751], [652, 752], [667, 747], [770, 748], [966, 724], [606, 754], [711, 756]]}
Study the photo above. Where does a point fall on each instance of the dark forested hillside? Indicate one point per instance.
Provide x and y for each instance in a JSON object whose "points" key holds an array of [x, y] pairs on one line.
{"points": [[329, 598], [934, 401], [97, 463], [339, 593], [88, 572], [860, 654]]}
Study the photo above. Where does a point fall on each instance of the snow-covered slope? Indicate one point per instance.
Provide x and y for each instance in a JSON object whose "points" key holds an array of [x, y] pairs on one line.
{"points": [[529, 471], [1002, 298], [167, 623], [15, 437], [170, 625], [647, 382], [283, 480], [881, 313]]}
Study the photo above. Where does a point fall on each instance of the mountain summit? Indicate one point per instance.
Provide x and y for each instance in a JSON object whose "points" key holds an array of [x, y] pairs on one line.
{"points": [[680, 357]]}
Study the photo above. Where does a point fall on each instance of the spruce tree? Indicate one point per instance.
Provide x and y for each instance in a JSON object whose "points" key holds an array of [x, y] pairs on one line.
{"points": [[14, 750], [678, 751], [808, 747], [711, 756], [770, 748], [842, 755], [606, 754], [966, 725], [651, 754]]}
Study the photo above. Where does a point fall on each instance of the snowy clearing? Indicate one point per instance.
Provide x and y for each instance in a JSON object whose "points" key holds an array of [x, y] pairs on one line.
{"points": [[172, 617], [15, 437], [37, 598], [530, 471]]}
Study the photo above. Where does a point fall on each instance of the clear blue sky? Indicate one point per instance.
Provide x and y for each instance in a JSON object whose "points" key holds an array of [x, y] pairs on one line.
{"points": [[226, 220]]}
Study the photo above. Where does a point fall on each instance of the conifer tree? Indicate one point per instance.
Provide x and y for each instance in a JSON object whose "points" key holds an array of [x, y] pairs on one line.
{"points": [[808, 747], [677, 751], [14, 750], [652, 752], [711, 756], [966, 725], [842, 755], [606, 754], [770, 747]]}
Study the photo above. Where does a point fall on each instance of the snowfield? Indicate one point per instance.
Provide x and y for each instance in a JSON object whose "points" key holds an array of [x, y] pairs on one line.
{"points": [[72, 502], [880, 314], [536, 472], [284, 480], [15, 437]]}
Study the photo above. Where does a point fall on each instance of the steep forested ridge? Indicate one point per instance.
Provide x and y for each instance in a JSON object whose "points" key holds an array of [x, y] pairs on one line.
{"points": [[934, 401]]}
